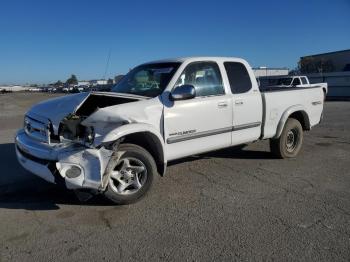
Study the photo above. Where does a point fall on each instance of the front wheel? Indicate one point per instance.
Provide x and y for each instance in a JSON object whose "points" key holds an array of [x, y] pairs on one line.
{"points": [[289, 143], [131, 176]]}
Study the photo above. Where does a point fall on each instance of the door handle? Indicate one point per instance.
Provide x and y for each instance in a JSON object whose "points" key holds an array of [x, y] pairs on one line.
{"points": [[239, 102], [222, 104]]}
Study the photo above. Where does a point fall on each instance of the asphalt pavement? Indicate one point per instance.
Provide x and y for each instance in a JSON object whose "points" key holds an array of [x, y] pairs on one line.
{"points": [[234, 204]]}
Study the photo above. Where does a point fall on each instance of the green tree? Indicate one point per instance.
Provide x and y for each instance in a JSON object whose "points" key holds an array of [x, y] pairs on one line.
{"points": [[72, 80], [58, 84], [118, 78]]}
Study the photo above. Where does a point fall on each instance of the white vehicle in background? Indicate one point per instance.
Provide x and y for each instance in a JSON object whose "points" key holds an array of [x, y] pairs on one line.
{"points": [[34, 89], [298, 82], [115, 143]]}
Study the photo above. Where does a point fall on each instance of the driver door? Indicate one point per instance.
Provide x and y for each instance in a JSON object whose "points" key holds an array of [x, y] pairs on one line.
{"points": [[203, 123]]}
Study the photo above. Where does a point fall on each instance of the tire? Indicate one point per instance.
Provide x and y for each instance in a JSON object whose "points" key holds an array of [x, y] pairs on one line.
{"points": [[289, 143], [131, 176]]}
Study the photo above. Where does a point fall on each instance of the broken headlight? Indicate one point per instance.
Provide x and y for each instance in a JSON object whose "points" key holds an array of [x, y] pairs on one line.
{"points": [[89, 135]]}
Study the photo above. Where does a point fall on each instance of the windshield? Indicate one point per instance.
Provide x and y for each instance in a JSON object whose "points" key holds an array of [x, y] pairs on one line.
{"points": [[284, 81], [147, 80]]}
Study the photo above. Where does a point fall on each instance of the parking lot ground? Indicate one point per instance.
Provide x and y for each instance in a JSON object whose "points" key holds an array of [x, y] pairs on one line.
{"points": [[233, 204]]}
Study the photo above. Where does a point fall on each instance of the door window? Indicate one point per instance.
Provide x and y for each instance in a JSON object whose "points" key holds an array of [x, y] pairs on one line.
{"points": [[204, 76], [296, 81], [303, 80]]}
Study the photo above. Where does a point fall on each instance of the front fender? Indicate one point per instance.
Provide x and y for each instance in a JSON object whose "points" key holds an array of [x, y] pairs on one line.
{"points": [[128, 129], [287, 113], [135, 128]]}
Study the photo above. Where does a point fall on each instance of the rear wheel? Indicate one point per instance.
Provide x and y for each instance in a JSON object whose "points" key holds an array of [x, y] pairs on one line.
{"points": [[131, 176], [289, 143]]}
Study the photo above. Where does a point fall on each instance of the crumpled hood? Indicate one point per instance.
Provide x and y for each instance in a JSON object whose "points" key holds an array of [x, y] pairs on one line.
{"points": [[107, 120], [56, 109]]}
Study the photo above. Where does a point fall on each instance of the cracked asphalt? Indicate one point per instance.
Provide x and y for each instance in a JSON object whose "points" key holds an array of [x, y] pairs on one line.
{"points": [[234, 204]]}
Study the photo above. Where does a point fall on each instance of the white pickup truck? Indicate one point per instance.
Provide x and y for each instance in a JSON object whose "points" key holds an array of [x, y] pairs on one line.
{"points": [[295, 82], [116, 143]]}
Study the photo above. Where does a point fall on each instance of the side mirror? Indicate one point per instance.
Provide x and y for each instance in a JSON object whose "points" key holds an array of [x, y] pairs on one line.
{"points": [[183, 92]]}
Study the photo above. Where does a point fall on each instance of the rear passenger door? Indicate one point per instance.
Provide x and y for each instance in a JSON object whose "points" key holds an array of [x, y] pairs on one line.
{"points": [[247, 103]]}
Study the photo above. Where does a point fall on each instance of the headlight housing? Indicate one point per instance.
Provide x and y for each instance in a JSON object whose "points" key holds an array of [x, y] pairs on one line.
{"points": [[89, 135], [72, 130]]}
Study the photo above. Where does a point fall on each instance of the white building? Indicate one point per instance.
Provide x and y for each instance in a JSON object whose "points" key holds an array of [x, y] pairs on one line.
{"points": [[98, 82], [264, 71], [83, 83], [13, 88]]}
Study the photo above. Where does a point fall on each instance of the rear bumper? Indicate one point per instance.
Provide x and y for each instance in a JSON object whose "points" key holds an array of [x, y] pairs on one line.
{"points": [[55, 163]]}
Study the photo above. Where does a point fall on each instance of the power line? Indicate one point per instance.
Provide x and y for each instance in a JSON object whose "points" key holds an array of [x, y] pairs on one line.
{"points": [[107, 64]]}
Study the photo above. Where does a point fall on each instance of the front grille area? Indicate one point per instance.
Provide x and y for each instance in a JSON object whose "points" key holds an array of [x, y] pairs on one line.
{"points": [[37, 129]]}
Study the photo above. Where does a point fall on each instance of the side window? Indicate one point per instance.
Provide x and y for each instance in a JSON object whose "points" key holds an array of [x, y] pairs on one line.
{"points": [[204, 76], [238, 77], [296, 81], [303, 80]]}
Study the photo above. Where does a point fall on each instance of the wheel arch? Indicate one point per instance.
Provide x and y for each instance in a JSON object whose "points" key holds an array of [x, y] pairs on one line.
{"points": [[143, 135], [297, 112]]}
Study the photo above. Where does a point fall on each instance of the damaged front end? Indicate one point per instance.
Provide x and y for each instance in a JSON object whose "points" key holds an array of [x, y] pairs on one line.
{"points": [[82, 164], [79, 160], [71, 130], [83, 167]]}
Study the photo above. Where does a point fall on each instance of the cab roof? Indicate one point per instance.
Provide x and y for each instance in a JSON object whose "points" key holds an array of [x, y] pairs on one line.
{"points": [[196, 58]]}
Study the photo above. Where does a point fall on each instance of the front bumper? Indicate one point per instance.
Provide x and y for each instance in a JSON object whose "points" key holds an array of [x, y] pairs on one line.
{"points": [[53, 162]]}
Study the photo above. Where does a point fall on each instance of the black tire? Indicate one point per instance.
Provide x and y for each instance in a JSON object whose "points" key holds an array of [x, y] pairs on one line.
{"points": [[139, 153], [282, 147]]}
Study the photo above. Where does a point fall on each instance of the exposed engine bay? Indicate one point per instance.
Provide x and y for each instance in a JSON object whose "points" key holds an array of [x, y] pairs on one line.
{"points": [[71, 127], [97, 100]]}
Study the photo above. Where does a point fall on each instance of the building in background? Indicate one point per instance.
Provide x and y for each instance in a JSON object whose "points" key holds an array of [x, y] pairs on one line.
{"points": [[83, 83], [13, 88], [338, 61], [267, 75], [264, 71], [332, 68], [98, 82]]}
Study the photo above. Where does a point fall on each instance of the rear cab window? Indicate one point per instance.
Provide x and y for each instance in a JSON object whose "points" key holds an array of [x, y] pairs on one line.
{"points": [[296, 81], [238, 77]]}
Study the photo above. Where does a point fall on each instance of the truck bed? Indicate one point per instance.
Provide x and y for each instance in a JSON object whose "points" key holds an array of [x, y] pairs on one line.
{"points": [[278, 102]]}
